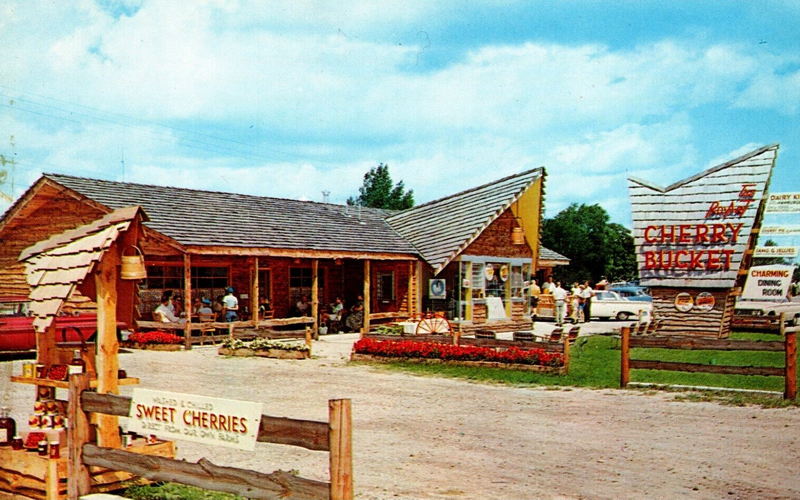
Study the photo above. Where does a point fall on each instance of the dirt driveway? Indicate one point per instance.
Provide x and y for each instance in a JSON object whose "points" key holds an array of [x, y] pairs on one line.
{"points": [[423, 437]]}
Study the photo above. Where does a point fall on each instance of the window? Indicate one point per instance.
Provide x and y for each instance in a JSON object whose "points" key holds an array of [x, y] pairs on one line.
{"points": [[300, 282], [265, 284], [207, 281], [386, 286]]}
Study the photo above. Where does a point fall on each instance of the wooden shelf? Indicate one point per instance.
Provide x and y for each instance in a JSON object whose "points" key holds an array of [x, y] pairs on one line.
{"points": [[63, 384]]}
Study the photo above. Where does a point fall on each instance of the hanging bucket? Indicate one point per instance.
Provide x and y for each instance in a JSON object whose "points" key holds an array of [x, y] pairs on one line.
{"points": [[133, 265], [517, 238]]}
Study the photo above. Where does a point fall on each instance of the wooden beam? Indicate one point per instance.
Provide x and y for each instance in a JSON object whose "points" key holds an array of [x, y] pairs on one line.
{"points": [[790, 366], [315, 296], [105, 279], [187, 300], [298, 253], [641, 364], [341, 455], [207, 475], [254, 285], [410, 295], [78, 483], [625, 357], [367, 298]]}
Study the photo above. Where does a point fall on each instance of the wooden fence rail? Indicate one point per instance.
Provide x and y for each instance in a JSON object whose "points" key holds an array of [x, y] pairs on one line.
{"points": [[788, 346], [334, 436]]}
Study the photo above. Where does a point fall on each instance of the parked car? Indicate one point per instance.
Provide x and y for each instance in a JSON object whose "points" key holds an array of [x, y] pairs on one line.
{"points": [[744, 310], [607, 304], [16, 326], [632, 292]]}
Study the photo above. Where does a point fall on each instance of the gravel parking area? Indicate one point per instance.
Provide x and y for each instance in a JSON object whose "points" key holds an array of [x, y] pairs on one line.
{"points": [[425, 437]]}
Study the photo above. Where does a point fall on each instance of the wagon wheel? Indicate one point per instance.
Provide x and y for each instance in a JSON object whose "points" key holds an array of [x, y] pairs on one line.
{"points": [[435, 325]]}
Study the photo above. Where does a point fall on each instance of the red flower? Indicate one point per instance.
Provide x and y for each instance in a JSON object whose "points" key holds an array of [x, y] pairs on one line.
{"points": [[154, 337], [431, 350]]}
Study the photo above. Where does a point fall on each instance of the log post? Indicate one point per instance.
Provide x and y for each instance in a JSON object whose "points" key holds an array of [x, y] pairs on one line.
{"points": [[410, 296], [625, 360], [367, 298], [52, 480], [315, 296], [255, 297], [566, 352], [782, 325], [187, 300], [341, 449], [105, 279], [790, 382], [78, 483], [308, 336]]}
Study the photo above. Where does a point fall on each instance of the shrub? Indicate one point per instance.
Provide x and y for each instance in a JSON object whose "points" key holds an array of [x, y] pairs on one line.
{"points": [[264, 344]]}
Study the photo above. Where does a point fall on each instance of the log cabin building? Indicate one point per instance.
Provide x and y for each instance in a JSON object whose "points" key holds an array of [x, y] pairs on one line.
{"points": [[476, 249]]}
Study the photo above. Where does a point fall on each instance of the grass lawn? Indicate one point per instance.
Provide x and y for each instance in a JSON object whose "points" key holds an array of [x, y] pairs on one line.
{"points": [[595, 360]]}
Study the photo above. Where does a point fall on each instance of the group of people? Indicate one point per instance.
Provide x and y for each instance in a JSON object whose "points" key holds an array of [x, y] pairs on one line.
{"points": [[577, 301], [170, 307]]}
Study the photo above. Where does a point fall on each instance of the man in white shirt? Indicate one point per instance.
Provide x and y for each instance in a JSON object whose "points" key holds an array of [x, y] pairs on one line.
{"points": [[231, 304], [560, 298], [164, 314]]}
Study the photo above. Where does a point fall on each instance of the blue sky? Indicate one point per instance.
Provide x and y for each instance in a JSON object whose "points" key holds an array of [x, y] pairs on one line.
{"points": [[288, 99]]}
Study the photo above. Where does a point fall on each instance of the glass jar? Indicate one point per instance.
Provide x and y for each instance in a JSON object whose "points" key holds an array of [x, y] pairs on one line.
{"points": [[8, 427]]}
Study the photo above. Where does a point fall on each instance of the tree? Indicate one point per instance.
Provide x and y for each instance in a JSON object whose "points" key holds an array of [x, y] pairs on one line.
{"points": [[377, 191], [595, 247]]}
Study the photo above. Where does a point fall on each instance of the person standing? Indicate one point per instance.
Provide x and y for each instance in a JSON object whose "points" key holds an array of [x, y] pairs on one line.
{"points": [[575, 303], [534, 292], [560, 298], [231, 304], [587, 293]]}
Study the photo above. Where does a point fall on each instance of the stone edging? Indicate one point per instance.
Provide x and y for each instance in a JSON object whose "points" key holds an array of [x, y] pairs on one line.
{"points": [[558, 370], [265, 353]]}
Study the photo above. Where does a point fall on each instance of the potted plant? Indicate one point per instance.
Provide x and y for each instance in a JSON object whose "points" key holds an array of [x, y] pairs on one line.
{"points": [[281, 349], [155, 340]]}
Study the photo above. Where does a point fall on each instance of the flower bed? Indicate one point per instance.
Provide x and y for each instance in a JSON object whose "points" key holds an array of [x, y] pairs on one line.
{"points": [[265, 348], [406, 349], [155, 340]]}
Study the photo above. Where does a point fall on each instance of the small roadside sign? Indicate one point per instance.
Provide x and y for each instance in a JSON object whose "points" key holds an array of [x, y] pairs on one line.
{"points": [[172, 415]]}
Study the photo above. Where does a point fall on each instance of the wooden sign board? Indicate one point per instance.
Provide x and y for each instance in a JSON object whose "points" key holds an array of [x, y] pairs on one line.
{"points": [[772, 252], [693, 236], [783, 203], [785, 230], [172, 415], [768, 282]]}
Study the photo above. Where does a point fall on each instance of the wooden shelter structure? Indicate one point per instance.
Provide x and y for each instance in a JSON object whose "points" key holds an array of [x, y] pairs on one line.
{"points": [[695, 239], [198, 243], [86, 258]]}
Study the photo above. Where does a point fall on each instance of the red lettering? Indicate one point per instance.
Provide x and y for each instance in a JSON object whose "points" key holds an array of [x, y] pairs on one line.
{"points": [[713, 260], [650, 260], [695, 260], [647, 237], [702, 234], [683, 232], [668, 235], [678, 255], [735, 229], [718, 233], [727, 253]]}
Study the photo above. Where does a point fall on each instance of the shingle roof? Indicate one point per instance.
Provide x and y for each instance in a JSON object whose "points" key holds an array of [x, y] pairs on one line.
{"points": [[547, 254], [208, 218], [441, 229], [56, 265]]}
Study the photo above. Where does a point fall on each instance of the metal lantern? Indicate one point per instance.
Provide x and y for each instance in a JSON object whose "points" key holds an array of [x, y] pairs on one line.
{"points": [[133, 265]]}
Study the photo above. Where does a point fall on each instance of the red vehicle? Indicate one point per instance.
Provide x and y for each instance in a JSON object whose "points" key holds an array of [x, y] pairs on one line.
{"points": [[16, 326]]}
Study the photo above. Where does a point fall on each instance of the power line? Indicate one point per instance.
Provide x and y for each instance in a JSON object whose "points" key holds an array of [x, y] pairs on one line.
{"points": [[184, 138]]}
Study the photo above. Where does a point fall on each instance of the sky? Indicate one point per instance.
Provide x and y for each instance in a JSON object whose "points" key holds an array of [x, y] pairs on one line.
{"points": [[290, 99]]}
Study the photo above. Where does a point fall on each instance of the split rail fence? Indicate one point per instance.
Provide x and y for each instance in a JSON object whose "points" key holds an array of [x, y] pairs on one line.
{"points": [[788, 346], [334, 436]]}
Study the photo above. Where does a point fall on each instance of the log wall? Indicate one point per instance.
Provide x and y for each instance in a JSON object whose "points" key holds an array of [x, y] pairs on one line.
{"points": [[42, 220], [697, 321], [496, 240]]}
